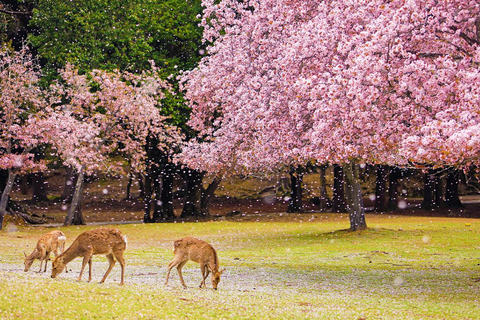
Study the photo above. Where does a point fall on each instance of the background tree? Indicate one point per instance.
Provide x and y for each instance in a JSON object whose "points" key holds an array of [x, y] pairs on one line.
{"points": [[20, 100], [105, 113], [345, 83], [113, 35], [15, 17]]}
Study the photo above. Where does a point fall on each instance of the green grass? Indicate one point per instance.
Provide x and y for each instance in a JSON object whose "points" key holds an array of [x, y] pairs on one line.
{"points": [[400, 268]]}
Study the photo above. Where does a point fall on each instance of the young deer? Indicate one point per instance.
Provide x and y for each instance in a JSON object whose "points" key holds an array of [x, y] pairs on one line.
{"points": [[107, 241], [53, 241], [198, 251]]}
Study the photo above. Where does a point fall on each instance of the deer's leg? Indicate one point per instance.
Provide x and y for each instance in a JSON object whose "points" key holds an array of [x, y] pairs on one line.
{"points": [[43, 253], [86, 259], [179, 269], [47, 258], [173, 263], [90, 269], [41, 264], [121, 260], [111, 262], [206, 276], [205, 272]]}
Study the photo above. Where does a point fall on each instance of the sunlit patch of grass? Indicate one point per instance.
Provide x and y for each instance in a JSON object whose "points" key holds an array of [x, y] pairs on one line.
{"points": [[399, 268]]}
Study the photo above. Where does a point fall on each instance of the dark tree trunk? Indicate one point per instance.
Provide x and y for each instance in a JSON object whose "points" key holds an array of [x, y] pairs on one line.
{"points": [[6, 195], [452, 198], [354, 197], [324, 201], [148, 198], [208, 195], [432, 191], [157, 196], [439, 191], [166, 212], [395, 175], [338, 199], [78, 215], [39, 188], [295, 202], [69, 185], [128, 195], [193, 194], [75, 215], [381, 188], [428, 191]]}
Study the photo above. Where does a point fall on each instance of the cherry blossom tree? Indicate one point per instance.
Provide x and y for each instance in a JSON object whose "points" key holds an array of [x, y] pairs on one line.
{"points": [[106, 112], [21, 98], [349, 83]]}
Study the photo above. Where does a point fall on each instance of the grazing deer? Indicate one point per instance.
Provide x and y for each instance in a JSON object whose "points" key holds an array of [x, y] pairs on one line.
{"points": [[53, 241], [107, 241], [198, 251]]}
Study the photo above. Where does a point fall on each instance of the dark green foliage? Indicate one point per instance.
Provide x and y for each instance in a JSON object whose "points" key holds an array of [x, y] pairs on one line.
{"points": [[124, 35], [112, 34]]}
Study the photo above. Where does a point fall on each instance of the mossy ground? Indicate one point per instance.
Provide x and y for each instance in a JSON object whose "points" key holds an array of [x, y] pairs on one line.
{"points": [[304, 267]]}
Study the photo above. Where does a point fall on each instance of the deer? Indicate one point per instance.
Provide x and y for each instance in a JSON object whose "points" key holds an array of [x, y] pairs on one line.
{"points": [[199, 251], [53, 241], [107, 241]]}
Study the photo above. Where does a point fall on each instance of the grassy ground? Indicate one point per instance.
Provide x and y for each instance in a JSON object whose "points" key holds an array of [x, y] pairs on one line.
{"points": [[302, 268]]}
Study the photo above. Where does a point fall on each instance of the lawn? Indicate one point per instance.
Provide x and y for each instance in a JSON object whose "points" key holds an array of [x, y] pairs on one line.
{"points": [[308, 267]]}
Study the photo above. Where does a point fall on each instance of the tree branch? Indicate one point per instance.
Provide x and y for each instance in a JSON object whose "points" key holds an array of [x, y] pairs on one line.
{"points": [[16, 13]]}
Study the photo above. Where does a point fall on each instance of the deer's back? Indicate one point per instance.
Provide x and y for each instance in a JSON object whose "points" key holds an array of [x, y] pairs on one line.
{"points": [[194, 249], [50, 240], [100, 241]]}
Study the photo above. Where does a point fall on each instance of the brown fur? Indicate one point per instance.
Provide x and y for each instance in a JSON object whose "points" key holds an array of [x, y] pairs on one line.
{"points": [[199, 251], [107, 241], [53, 241]]}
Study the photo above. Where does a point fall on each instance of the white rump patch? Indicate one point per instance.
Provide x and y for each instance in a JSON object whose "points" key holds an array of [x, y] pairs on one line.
{"points": [[62, 238]]}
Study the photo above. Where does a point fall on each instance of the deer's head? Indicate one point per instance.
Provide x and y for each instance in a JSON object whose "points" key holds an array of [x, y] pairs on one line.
{"points": [[216, 278], [57, 266], [28, 261]]}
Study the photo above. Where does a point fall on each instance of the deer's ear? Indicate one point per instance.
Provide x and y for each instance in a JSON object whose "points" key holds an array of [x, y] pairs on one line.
{"points": [[221, 271], [25, 254]]}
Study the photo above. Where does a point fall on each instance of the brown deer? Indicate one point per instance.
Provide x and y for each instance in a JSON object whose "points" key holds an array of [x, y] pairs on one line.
{"points": [[198, 251], [107, 241], [53, 241]]}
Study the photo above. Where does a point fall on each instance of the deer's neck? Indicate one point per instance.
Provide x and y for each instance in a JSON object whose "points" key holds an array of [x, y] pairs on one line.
{"points": [[70, 254], [34, 255], [214, 264]]}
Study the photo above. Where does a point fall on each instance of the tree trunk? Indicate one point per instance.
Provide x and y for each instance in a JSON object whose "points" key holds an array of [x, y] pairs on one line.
{"points": [[193, 194], [452, 199], [6, 195], [74, 215], [69, 186], [208, 195], [324, 201], [381, 189], [39, 188], [354, 197], [296, 179], [163, 189], [128, 195], [148, 198], [432, 191], [166, 198], [338, 199], [395, 175], [439, 191]]}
